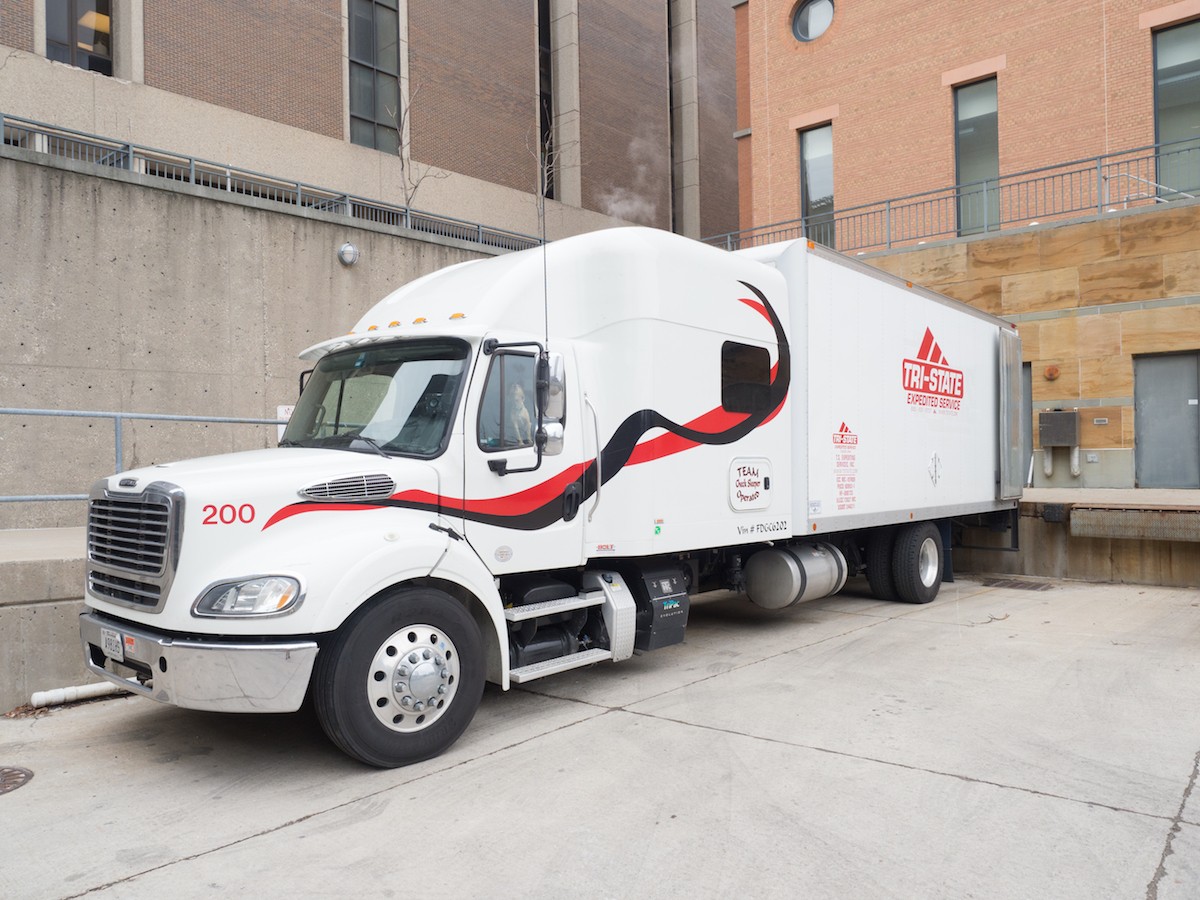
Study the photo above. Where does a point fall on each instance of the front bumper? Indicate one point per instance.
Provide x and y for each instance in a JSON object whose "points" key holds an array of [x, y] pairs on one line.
{"points": [[196, 674]]}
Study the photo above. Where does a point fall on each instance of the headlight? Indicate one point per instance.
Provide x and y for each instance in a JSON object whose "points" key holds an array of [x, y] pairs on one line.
{"points": [[270, 595]]}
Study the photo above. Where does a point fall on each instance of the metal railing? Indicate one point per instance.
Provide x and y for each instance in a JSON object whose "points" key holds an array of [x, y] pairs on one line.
{"points": [[1148, 175], [102, 151], [118, 419]]}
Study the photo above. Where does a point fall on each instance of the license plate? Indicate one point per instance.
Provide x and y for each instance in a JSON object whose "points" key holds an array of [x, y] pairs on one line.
{"points": [[112, 644]]}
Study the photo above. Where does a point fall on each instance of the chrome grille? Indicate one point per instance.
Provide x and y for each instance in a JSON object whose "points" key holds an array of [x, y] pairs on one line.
{"points": [[352, 487], [129, 534], [133, 542]]}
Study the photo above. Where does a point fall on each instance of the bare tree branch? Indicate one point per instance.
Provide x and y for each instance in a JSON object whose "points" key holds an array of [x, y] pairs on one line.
{"points": [[412, 173]]}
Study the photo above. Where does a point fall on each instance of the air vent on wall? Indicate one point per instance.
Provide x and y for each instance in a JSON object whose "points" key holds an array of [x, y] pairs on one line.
{"points": [[352, 487]]}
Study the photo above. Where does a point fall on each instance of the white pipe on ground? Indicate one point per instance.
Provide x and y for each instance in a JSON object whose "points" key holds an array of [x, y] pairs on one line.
{"points": [[59, 696]]}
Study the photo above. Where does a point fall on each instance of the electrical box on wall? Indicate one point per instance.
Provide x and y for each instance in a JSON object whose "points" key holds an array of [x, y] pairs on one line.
{"points": [[1059, 428]]}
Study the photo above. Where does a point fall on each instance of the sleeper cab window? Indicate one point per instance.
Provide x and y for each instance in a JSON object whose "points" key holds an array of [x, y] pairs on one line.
{"points": [[507, 417], [745, 378]]}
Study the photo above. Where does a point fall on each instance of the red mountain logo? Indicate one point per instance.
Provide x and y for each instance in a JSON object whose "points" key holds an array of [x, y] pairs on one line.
{"points": [[929, 380], [845, 436]]}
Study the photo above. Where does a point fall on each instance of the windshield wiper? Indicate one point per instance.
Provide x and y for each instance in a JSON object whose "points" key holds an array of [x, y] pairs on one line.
{"points": [[373, 444]]}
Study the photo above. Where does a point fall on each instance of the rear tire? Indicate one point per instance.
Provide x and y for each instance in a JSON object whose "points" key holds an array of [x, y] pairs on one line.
{"points": [[402, 678], [879, 563], [917, 562]]}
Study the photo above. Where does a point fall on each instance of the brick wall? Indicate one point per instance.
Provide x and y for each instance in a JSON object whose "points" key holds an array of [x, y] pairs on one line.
{"points": [[625, 110], [473, 68], [1076, 80], [16, 24], [274, 59]]}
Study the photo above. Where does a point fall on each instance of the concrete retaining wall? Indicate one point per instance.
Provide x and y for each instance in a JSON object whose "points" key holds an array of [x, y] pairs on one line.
{"points": [[124, 293]]}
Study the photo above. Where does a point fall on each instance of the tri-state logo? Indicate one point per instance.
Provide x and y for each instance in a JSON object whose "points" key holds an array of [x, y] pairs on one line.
{"points": [[930, 381]]}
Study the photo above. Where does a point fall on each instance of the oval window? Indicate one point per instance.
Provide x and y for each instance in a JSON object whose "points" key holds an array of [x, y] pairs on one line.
{"points": [[811, 19]]}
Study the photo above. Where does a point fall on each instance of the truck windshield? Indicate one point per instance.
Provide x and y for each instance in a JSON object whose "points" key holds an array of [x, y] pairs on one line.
{"points": [[391, 398]]}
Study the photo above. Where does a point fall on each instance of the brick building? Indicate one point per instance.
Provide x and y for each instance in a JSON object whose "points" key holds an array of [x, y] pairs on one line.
{"points": [[1040, 161], [632, 102]]}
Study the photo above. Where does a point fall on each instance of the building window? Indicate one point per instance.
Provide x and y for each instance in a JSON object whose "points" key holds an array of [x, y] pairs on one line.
{"points": [[79, 33], [816, 184], [546, 156], [1177, 108], [812, 19], [375, 114], [977, 156]]}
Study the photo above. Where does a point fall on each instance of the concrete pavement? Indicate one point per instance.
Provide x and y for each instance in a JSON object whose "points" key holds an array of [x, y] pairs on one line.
{"points": [[1000, 742]]}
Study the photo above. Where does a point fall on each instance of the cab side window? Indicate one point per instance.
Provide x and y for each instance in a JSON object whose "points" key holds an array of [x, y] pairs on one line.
{"points": [[745, 378], [507, 414]]}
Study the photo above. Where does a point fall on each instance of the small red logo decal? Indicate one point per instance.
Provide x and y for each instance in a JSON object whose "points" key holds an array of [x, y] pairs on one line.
{"points": [[845, 436]]}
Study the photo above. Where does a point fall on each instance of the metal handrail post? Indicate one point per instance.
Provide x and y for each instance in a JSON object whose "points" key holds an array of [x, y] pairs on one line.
{"points": [[887, 224], [117, 440], [1101, 186]]}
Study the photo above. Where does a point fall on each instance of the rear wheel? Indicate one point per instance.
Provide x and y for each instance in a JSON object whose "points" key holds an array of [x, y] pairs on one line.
{"points": [[917, 562], [879, 563], [402, 678]]}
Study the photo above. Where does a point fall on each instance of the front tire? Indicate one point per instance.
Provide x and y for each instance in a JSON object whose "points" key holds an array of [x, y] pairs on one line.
{"points": [[917, 562], [402, 678]]}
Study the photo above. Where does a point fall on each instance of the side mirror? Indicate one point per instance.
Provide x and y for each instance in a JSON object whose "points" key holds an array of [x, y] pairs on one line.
{"points": [[554, 406]]}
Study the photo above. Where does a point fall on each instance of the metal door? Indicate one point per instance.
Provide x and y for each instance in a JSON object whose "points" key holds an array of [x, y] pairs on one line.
{"points": [[1166, 397], [1027, 423]]}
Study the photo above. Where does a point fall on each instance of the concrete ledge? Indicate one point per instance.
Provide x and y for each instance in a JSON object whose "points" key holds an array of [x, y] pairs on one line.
{"points": [[39, 650], [41, 597], [1121, 536], [41, 564]]}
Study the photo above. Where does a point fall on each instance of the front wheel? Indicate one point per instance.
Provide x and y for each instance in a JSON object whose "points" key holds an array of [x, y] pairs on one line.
{"points": [[402, 678], [917, 562]]}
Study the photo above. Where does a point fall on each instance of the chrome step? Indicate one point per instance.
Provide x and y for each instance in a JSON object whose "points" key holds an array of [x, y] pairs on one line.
{"points": [[548, 607], [560, 664]]}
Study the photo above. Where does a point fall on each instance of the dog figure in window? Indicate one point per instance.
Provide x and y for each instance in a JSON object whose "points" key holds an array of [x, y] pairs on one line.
{"points": [[518, 416]]}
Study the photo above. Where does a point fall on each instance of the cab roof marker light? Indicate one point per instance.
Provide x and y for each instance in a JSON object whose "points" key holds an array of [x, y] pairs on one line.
{"points": [[373, 328], [458, 316], [393, 324], [420, 320]]}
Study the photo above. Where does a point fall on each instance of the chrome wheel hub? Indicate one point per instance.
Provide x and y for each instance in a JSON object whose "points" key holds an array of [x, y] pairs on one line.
{"points": [[412, 678], [929, 563]]}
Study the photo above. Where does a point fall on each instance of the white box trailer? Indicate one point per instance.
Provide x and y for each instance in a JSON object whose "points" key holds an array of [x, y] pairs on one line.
{"points": [[523, 465]]}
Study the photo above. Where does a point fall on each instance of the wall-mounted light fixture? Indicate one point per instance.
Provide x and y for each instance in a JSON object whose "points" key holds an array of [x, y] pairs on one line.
{"points": [[347, 254]]}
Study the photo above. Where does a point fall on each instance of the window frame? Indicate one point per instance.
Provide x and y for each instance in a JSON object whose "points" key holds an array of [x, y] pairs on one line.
{"points": [[75, 56], [1162, 189], [799, 9], [990, 220], [738, 361], [819, 226], [498, 364], [385, 130]]}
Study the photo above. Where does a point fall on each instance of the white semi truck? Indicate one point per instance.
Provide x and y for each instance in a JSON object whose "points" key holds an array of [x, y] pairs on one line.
{"points": [[527, 464]]}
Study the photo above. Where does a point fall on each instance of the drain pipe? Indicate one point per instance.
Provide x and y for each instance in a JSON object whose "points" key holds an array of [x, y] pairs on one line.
{"points": [[59, 696]]}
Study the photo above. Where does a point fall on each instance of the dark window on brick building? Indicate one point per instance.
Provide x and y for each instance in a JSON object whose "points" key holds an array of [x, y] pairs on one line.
{"points": [[79, 33], [977, 156], [546, 155], [1177, 109], [375, 115], [816, 184]]}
